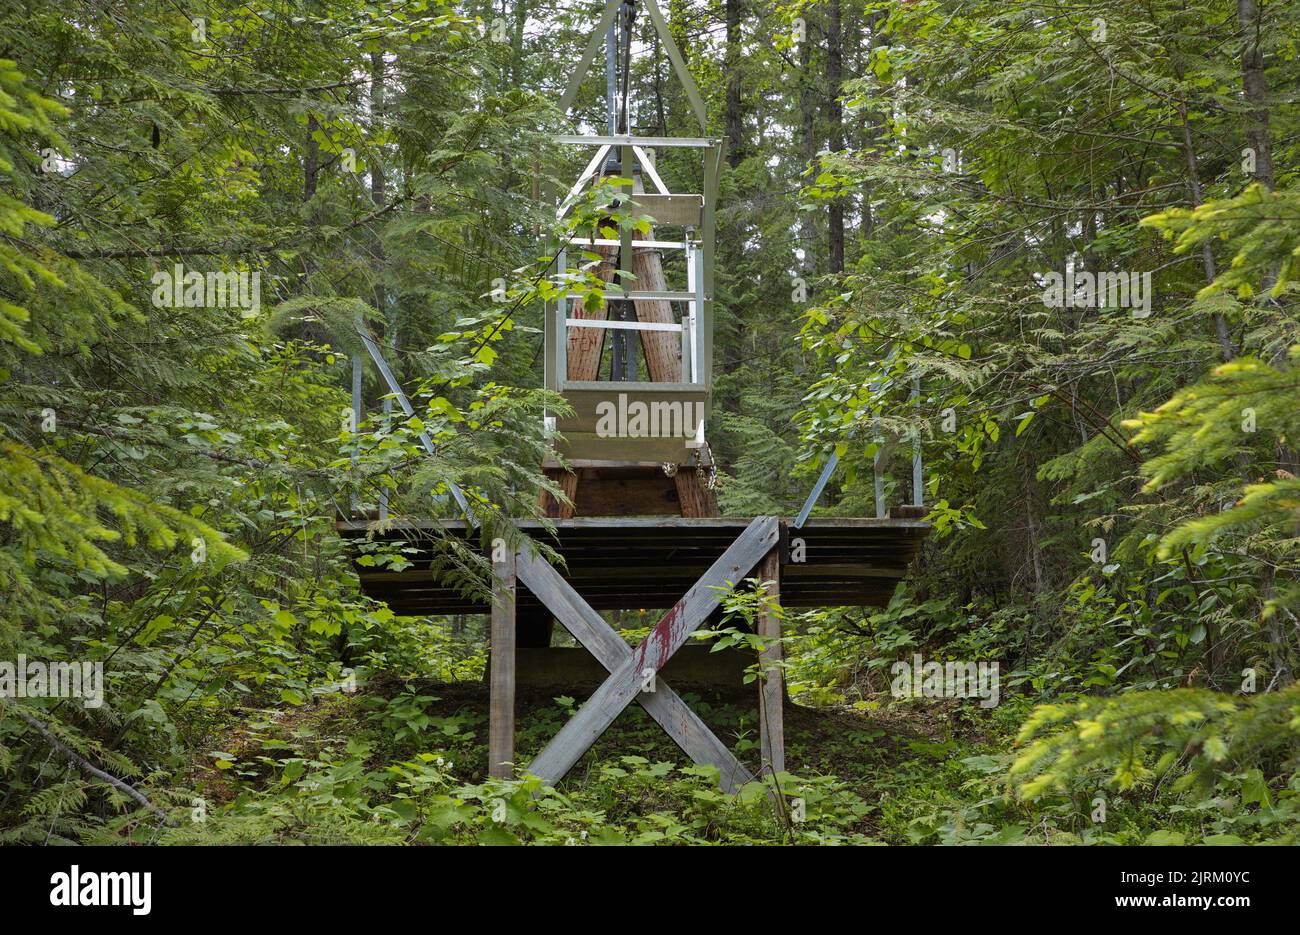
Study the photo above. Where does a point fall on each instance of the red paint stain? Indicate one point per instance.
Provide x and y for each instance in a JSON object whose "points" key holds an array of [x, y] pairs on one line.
{"points": [[657, 647]]}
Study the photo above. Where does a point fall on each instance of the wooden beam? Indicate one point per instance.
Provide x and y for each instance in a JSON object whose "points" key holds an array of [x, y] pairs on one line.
{"points": [[673, 629], [771, 691], [694, 494], [501, 706], [854, 526], [585, 344], [663, 704]]}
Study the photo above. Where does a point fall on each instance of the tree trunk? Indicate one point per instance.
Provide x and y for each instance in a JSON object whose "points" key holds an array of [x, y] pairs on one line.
{"points": [[311, 160], [1255, 87], [732, 112], [1194, 184], [835, 116]]}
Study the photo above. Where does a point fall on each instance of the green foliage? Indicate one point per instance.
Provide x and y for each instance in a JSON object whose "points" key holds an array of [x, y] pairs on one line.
{"points": [[170, 477]]}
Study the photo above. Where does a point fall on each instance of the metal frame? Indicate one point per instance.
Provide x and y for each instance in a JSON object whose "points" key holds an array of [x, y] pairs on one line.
{"points": [[690, 325], [695, 312]]}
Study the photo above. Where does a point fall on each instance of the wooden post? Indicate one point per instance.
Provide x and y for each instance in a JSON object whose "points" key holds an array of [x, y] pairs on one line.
{"points": [[771, 692], [501, 717], [568, 482]]}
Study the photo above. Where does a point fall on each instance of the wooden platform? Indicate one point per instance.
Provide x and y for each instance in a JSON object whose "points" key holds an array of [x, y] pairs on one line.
{"points": [[647, 562]]}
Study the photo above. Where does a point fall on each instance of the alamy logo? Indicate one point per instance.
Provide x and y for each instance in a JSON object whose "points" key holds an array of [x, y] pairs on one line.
{"points": [[103, 889], [921, 679], [193, 289], [655, 419], [35, 679], [1100, 290]]}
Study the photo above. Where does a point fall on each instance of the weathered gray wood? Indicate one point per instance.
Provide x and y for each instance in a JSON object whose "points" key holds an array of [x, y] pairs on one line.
{"points": [[663, 704], [501, 706], [920, 527], [673, 629], [771, 694], [616, 567]]}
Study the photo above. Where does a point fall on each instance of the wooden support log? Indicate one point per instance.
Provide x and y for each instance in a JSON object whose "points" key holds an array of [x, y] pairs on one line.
{"points": [[694, 494], [663, 349], [568, 482], [771, 692], [673, 629], [663, 704], [501, 686], [586, 344]]}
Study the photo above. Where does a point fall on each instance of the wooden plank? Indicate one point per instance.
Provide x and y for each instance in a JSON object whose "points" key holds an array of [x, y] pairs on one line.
{"points": [[501, 706], [550, 463], [670, 211], [690, 563], [771, 691], [599, 390], [616, 448], [854, 525], [654, 411], [673, 629], [663, 704]]}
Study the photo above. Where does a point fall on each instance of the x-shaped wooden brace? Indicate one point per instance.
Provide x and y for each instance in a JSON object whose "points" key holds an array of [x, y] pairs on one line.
{"points": [[628, 667]]}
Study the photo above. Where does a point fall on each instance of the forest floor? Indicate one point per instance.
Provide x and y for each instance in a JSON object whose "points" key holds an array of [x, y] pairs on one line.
{"points": [[890, 774]]}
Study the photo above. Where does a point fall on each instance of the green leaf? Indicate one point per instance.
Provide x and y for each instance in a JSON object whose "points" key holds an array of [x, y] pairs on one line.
{"points": [[1165, 839]]}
